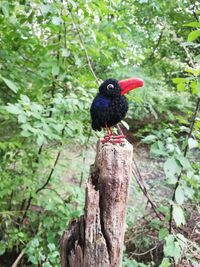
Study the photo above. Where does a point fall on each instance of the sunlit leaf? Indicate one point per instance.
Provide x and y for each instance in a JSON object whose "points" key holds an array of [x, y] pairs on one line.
{"points": [[178, 215], [193, 35], [179, 80], [181, 87], [165, 263], [10, 84], [179, 195], [22, 118], [192, 143], [14, 109], [194, 24], [56, 21]]}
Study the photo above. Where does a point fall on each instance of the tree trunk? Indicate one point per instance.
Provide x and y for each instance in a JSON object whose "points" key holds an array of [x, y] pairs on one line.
{"points": [[96, 239]]}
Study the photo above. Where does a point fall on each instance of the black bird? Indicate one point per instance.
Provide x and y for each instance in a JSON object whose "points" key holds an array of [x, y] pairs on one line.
{"points": [[110, 105]]}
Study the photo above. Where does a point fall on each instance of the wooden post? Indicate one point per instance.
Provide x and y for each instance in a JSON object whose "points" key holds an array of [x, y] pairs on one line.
{"points": [[96, 239]]}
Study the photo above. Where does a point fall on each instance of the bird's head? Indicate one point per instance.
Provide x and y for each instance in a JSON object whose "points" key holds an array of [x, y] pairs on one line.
{"points": [[114, 88]]}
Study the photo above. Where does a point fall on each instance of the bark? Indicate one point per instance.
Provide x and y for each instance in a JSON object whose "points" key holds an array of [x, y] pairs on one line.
{"points": [[96, 239]]}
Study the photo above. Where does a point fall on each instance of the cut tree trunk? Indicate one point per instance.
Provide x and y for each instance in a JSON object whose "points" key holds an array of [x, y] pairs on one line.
{"points": [[96, 238]]}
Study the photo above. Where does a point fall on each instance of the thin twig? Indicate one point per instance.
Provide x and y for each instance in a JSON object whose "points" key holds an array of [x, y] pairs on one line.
{"points": [[84, 157], [139, 180], [50, 174], [156, 45], [19, 257], [193, 10], [143, 253], [83, 45], [46, 182]]}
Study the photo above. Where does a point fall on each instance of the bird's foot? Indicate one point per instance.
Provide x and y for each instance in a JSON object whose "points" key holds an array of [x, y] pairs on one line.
{"points": [[114, 139]]}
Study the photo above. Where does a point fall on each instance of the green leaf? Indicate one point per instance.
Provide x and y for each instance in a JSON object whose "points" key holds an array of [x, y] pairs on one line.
{"points": [[171, 167], [194, 24], [44, 9], [169, 246], [197, 59], [198, 86], [193, 35], [41, 140], [25, 98], [35, 242], [165, 263], [163, 232], [46, 264], [192, 143], [10, 84], [51, 246], [25, 133], [149, 139], [178, 215], [2, 248], [56, 21], [179, 195], [158, 149], [177, 252], [5, 8], [179, 80], [181, 87], [14, 109], [184, 162], [55, 70], [172, 248], [22, 118], [65, 53]]}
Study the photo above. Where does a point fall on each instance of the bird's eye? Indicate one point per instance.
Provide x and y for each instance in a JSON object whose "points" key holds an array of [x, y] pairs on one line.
{"points": [[110, 86]]}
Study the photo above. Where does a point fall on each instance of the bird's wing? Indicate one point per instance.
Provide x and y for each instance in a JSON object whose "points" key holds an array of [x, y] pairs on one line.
{"points": [[99, 112]]}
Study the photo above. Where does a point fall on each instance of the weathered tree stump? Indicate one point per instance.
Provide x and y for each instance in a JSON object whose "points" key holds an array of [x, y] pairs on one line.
{"points": [[96, 239]]}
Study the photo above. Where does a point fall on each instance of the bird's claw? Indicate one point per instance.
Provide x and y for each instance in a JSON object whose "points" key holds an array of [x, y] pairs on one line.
{"points": [[114, 139]]}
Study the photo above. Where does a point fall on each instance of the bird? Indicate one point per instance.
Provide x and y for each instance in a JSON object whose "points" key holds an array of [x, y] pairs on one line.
{"points": [[110, 106]]}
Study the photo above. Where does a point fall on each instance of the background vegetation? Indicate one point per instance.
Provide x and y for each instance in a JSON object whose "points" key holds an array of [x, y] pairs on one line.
{"points": [[53, 55]]}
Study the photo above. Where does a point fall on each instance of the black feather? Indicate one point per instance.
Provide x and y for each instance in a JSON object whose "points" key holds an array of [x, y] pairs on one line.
{"points": [[109, 106]]}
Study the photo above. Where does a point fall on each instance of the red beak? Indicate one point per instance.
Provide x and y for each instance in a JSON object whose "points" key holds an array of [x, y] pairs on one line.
{"points": [[130, 84]]}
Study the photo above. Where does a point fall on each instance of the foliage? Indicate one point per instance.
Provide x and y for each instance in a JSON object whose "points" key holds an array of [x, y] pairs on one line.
{"points": [[53, 55], [181, 168], [132, 263]]}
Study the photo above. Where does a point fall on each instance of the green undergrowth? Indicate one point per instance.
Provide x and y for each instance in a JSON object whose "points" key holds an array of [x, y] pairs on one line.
{"points": [[53, 56]]}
